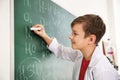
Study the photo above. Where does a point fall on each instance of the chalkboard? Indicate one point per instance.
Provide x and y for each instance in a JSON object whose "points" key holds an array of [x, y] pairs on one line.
{"points": [[33, 61]]}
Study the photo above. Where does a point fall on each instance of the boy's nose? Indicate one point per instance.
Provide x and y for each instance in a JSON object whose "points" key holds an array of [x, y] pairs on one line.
{"points": [[70, 36]]}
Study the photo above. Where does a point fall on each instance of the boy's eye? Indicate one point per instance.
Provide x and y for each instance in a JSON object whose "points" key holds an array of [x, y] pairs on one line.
{"points": [[75, 33]]}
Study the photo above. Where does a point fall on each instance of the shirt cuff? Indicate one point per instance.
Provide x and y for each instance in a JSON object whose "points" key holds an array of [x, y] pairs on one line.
{"points": [[53, 46]]}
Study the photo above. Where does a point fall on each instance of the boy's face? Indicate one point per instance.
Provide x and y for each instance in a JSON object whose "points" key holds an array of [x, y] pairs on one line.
{"points": [[77, 38]]}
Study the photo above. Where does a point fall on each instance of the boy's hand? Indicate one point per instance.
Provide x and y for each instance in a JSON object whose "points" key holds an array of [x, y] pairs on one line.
{"points": [[40, 32]]}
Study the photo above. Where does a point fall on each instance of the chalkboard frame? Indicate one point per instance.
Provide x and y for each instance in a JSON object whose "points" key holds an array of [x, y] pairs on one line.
{"points": [[11, 40]]}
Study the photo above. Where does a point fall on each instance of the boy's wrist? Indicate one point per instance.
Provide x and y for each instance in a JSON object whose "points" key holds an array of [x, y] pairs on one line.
{"points": [[44, 36], [47, 39]]}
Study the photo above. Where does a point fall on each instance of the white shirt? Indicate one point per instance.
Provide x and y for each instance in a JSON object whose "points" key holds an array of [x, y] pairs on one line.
{"points": [[99, 67]]}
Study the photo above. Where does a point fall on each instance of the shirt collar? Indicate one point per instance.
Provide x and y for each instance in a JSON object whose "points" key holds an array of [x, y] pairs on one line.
{"points": [[96, 56]]}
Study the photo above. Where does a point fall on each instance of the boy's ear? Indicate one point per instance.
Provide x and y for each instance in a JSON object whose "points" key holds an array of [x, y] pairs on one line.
{"points": [[92, 39]]}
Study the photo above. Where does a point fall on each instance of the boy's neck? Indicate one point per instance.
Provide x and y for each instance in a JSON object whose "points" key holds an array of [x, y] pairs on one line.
{"points": [[88, 51]]}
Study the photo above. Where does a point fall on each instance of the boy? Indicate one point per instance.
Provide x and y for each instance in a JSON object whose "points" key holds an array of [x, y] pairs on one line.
{"points": [[90, 63]]}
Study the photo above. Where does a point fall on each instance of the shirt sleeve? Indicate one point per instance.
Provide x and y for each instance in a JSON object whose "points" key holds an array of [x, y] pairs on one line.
{"points": [[63, 52]]}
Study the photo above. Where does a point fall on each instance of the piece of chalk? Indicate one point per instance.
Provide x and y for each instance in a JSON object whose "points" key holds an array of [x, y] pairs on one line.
{"points": [[35, 28]]}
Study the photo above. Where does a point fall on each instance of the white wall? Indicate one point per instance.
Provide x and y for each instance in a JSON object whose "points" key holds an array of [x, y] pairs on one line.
{"points": [[117, 28], [4, 39]]}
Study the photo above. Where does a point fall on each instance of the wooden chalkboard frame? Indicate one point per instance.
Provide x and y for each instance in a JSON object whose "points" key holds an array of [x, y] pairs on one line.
{"points": [[11, 39]]}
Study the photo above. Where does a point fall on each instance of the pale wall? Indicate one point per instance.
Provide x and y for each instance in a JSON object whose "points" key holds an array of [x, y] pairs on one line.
{"points": [[4, 39]]}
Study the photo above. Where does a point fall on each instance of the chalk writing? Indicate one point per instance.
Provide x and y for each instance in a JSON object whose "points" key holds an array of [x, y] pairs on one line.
{"points": [[33, 60], [29, 68], [26, 17]]}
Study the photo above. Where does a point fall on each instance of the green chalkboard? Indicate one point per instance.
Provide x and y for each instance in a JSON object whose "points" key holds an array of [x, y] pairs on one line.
{"points": [[33, 61]]}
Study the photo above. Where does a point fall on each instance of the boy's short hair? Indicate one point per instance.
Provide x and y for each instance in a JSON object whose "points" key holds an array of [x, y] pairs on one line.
{"points": [[92, 24]]}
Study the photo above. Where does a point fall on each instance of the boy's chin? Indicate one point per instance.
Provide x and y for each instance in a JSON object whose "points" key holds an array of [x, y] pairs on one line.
{"points": [[73, 47]]}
